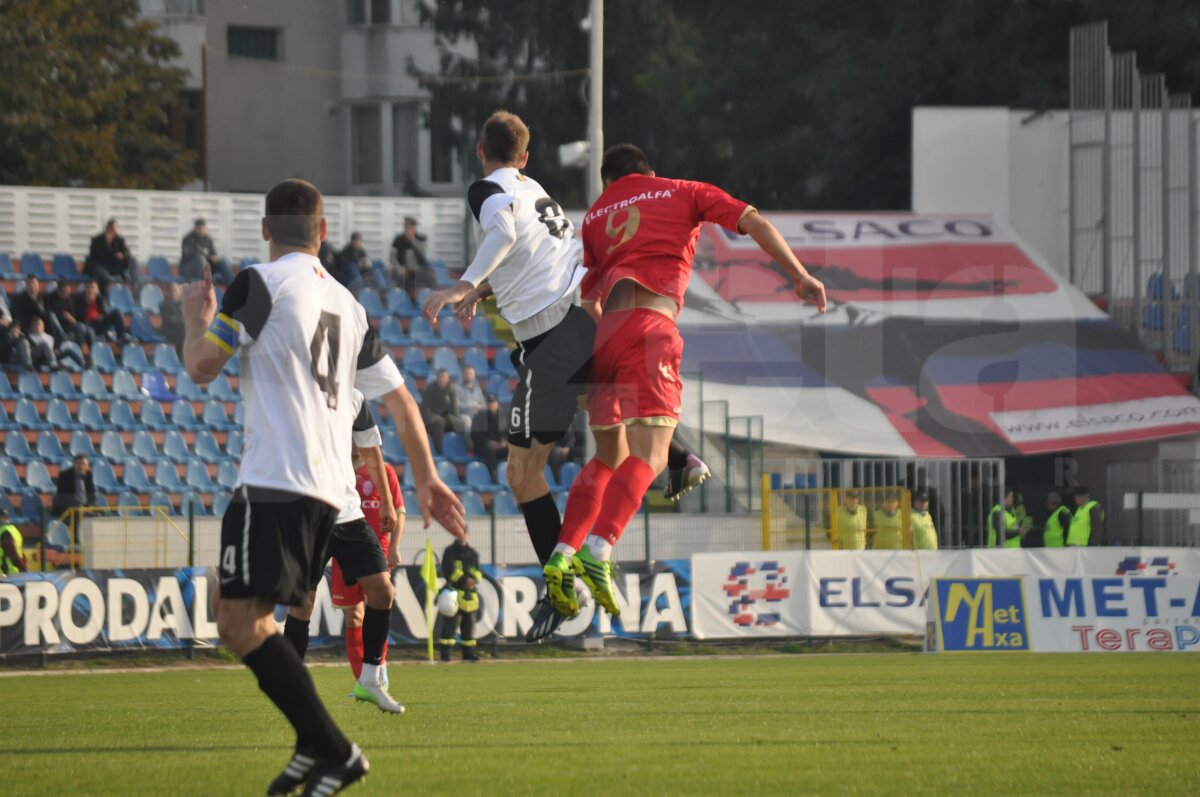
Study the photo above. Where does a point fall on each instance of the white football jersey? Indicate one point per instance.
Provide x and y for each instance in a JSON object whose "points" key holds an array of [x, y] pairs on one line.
{"points": [[545, 263], [304, 344], [365, 434]]}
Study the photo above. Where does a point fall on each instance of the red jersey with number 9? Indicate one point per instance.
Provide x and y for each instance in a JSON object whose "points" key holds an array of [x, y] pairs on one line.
{"points": [[645, 229]]}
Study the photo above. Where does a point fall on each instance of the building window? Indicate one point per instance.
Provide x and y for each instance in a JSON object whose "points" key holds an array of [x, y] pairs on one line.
{"points": [[260, 43], [366, 152], [381, 12], [442, 150], [356, 12], [406, 154], [369, 12]]}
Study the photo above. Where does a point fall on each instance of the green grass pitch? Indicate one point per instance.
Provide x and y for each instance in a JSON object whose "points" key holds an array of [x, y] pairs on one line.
{"points": [[758, 725]]}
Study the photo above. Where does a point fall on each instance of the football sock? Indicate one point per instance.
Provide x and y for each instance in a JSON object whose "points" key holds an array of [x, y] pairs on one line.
{"points": [[374, 633], [677, 456], [284, 679], [296, 631], [544, 524], [601, 548], [583, 504], [623, 498], [354, 649], [564, 549]]}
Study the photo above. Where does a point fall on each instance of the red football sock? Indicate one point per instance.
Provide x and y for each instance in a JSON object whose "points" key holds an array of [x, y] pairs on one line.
{"points": [[354, 649], [623, 498], [383, 661], [583, 502]]}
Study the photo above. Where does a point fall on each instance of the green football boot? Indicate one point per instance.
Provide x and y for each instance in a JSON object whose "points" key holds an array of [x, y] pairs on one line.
{"points": [[560, 585], [597, 575]]}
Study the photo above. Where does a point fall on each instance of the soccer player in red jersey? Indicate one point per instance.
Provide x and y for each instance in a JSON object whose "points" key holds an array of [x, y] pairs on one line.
{"points": [[639, 239]]}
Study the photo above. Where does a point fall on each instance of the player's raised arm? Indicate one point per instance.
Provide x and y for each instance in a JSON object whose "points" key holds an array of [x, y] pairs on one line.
{"points": [[770, 241], [208, 342]]}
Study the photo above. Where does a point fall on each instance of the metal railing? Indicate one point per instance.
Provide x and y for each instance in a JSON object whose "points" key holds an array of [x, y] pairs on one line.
{"points": [[123, 536]]}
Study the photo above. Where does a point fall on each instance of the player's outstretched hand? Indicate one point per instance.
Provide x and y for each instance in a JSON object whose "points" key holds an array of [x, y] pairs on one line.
{"points": [[199, 300], [438, 502], [394, 553], [439, 299], [387, 516], [810, 289], [465, 310]]}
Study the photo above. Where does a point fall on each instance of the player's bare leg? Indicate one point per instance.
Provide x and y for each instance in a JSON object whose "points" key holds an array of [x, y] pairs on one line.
{"points": [[379, 594]]}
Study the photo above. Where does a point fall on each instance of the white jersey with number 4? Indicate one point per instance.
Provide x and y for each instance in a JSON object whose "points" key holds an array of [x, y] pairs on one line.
{"points": [[545, 263], [304, 345]]}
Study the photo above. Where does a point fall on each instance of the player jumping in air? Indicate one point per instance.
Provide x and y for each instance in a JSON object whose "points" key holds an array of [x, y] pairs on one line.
{"points": [[639, 239]]}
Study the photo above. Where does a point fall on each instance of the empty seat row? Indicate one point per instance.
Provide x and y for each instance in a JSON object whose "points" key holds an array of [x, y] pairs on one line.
{"points": [[121, 416]]}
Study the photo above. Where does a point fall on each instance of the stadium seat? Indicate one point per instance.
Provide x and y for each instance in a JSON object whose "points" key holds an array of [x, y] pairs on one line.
{"points": [[133, 358], [391, 333], [126, 499], [104, 477], [175, 448], [91, 385], [239, 415], [90, 416], [136, 478], [370, 301], [26, 415], [233, 444], [415, 364], [103, 359], [183, 416], [120, 298], [560, 501], [6, 388], [449, 474], [227, 475], [505, 504], [58, 536], [62, 386], [166, 359], [233, 366], [59, 417], [477, 359], [31, 506], [410, 499], [50, 449], [406, 480], [452, 332], [220, 389], [143, 447], [421, 331], [159, 270], [220, 503], [30, 386], [10, 482], [472, 503], [65, 268], [5, 421], [503, 391], [502, 474], [454, 449], [502, 363], [400, 304], [192, 503], [160, 500], [481, 332], [567, 474], [120, 414], [197, 477], [81, 444], [37, 477], [7, 272], [112, 447], [410, 382], [70, 357], [206, 448], [166, 475], [548, 473], [124, 387], [32, 263], [393, 449], [141, 328], [185, 388], [480, 479], [444, 358], [151, 298], [154, 385], [215, 417]]}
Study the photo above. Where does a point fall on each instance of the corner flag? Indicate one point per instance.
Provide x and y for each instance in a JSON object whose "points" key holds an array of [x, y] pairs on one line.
{"points": [[429, 574]]}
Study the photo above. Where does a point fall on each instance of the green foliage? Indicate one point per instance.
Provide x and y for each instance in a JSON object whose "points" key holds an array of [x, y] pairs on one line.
{"points": [[84, 91]]}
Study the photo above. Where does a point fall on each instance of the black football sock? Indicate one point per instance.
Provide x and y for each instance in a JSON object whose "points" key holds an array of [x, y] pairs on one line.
{"points": [[283, 678], [296, 631], [375, 633], [544, 524], [677, 456]]}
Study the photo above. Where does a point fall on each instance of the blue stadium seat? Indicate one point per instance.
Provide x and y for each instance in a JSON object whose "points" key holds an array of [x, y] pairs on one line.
{"points": [[560, 501], [422, 333], [126, 499], [143, 447], [141, 328], [472, 503], [154, 385], [62, 386], [391, 333], [14, 512], [6, 388], [58, 536], [175, 448], [38, 478], [411, 502], [124, 387], [567, 474], [50, 449], [166, 475], [206, 448], [81, 443], [220, 503], [59, 417], [400, 304], [183, 416], [160, 500], [70, 357], [10, 482], [415, 364], [449, 474], [192, 503], [503, 391], [5, 421], [32, 263], [166, 359], [227, 475], [91, 418], [136, 478], [452, 332], [153, 416], [159, 270], [151, 298], [185, 388], [215, 417], [133, 358], [112, 447], [198, 478], [479, 478], [120, 298], [454, 449], [505, 504], [502, 474], [30, 386], [103, 359], [7, 272], [477, 359], [31, 506], [239, 415], [65, 268], [370, 301], [233, 366], [444, 357], [548, 473], [91, 385], [410, 382], [220, 389], [393, 449], [27, 416], [120, 415], [482, 333], [233, 444], [104, 477], [502, 362]]}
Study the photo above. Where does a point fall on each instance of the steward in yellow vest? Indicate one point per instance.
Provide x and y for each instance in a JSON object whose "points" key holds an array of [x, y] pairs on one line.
{"points": [[1002, 523], [924, 534], [1087, 522], [889, 524], [12, 547], [1055, 535], [850, 523]]}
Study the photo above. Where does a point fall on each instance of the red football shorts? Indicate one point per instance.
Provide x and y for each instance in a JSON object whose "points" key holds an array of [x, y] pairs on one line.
{"points": [[635, 369], [344, 594]]}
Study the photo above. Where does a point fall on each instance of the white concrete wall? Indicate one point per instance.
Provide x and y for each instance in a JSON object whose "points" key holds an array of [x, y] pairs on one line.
{"points": [[1009, 163]]}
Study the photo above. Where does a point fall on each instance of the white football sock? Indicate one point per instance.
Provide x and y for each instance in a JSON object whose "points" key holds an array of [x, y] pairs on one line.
{"points": [[600, 547], [564, 549], [370, 674]]}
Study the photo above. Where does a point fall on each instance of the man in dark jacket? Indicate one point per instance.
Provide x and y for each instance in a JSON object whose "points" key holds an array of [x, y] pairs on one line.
{"points": [[92, 308], [76, 487], [460, 568], [62, 304], [351, 264], [170, 310], [198, 248], [410, 268], [489, 434], [32, 304], [439, 409], [110, 259]]}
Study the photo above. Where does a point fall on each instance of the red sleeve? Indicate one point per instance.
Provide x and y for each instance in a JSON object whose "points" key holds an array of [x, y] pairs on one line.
{"points": [[394, 486], [713, 204]]}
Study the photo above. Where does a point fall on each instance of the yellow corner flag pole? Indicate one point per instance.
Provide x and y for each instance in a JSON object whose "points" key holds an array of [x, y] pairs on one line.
{"points": [[429, 574]]}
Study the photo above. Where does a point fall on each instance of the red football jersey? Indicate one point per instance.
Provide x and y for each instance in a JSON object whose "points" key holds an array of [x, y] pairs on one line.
{"points": [[645, 229], [370, 495]]}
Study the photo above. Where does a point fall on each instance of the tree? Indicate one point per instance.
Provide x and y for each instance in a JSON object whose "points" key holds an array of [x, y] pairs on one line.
{"points": [[84, 94]]}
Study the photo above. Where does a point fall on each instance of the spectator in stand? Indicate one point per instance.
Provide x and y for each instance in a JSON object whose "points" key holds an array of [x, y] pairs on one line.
{"points": [[439, 409], [15, 348], [489, 434], [572, 447], [92, 308], [327, 255], [47, 353], [197, 249], [351, 264], [76, 487], [32, 304], [470, 398], [171, 313], [61, 304], [410, 267], [110, 259], [12, 547], [5, 312]]}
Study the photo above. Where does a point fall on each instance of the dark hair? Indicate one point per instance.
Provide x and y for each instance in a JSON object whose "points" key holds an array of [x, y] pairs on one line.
{"points": [[623, 159], [920, 495], [505, 138], [294, 212], [110, 223]]}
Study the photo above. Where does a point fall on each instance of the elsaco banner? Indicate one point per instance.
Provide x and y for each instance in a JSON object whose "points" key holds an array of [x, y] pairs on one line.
{"points": [[106, 610], [1066, 615], [863, 593]]}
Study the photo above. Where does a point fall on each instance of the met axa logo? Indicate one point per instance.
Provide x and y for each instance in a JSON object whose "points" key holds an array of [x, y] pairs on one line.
{"points": [[1154, 566], [983, 614], [755, 590]]}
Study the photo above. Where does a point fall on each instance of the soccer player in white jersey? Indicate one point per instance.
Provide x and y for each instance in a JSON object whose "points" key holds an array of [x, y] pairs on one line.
{"points": [[303, 343]]}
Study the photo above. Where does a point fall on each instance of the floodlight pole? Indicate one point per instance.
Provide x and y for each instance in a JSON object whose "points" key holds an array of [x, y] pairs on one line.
{"points": [[596, 101]]}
